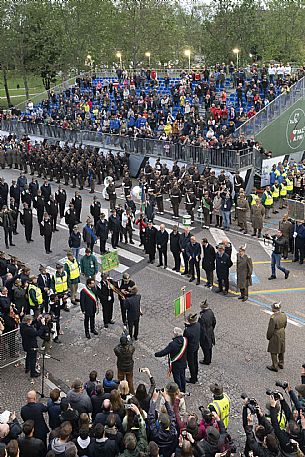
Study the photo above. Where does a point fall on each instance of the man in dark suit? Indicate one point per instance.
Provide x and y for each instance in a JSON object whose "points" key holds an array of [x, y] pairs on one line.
{"points": [[29, 343], [150, 241], [174, 243], [95, 210], [88, 305], [208, 261], [133, 308], [61, 197], [176, 350], [193, 252], [106, 298], [102, 231], [114, 225], [184, 241], [34, 411], [162, 240], [45, 284], [28, 444], [192, 334], [223, 265]]}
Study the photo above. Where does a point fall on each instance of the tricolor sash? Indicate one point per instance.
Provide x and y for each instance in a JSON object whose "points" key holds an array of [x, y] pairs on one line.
{"points": [[90, 294], [178, 355]]}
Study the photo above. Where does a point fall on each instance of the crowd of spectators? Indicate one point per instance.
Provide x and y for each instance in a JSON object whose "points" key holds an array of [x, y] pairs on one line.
{"points": [[202, 107]]}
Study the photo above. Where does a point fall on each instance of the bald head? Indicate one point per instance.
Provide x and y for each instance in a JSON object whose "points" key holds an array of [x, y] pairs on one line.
{"points": [[31, 396]]}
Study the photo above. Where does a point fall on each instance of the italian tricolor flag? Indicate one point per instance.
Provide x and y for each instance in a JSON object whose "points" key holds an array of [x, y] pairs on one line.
{"points": [[182, 303]]}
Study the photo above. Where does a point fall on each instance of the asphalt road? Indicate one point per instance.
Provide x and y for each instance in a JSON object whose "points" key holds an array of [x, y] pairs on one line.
{"points": [[239, 358]]}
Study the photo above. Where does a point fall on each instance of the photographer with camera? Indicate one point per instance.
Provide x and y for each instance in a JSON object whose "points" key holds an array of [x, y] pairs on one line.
{"points": [[292, 439], [280, 244], [162, 428], [124, 353], [260, 438]]}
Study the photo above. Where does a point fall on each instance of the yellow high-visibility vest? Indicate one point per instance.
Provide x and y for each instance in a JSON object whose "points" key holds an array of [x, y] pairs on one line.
{"points": [[283, 191], [60, 283], [269, 199], [275, 192], [222, 408], [254, 198], [38, 295], [74, 269], [289, 185]]}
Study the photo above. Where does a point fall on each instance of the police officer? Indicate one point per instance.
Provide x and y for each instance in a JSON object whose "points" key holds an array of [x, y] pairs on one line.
{"points": [[60, 285], [71, 267], [46, 231], [221, 403], [267, 201], [95, 210], [38, 203], [190, 203], [77, 202], [52, 210], [26, 219], [70, 217], [35, 296], [61, 197]]}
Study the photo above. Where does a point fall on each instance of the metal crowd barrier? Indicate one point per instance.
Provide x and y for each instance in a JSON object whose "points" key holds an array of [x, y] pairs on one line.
{"points": [[10, 348], [282, 102], [223, 158]]}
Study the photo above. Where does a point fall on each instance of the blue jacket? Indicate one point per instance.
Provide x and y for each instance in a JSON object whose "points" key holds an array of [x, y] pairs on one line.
{"points": [[300, 229], [193, 250]]}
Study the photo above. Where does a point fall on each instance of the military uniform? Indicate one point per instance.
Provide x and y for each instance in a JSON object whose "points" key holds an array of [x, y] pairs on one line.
{"points": [[276, 338]]}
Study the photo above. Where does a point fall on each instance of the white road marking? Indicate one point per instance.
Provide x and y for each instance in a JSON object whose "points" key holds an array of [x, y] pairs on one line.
{"points": [[268, 248], [290, 321], [220, 235]]}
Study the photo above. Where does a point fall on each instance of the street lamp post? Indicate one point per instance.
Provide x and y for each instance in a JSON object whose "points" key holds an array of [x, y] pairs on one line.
{"points": [[119, 56], [147, 54], [187, 53], [237, 52]]}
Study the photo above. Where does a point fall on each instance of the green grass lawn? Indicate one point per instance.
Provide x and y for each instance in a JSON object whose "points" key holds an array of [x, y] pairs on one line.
{"points": [[16, 88]]}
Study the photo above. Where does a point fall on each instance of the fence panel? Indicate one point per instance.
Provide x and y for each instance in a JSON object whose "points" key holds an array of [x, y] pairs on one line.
{"points": [[10, 348]]}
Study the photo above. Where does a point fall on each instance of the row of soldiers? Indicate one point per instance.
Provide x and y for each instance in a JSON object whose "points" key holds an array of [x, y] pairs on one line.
{"points": [[73, 165]]}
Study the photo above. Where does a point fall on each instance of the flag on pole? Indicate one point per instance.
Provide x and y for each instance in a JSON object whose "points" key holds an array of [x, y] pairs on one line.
{"points": [[182, 303]]}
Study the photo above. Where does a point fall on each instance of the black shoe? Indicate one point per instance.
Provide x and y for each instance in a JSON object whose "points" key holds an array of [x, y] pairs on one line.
{"points": [[88, 336], [31, 240], [197, 283], [131, 242], [225, 292], [35, 375], [174, 269], [203, 362], [56, 340], [7, 246], [56, 230], [12, 244], [160, 265], [94, 332], [184, 273], [112, 321], [165, 267], [66, 309], [245, 299], [192, 279], [272, 277], [288, 273], [218, 291], [240, 298], [106, 326], [272, 368]]}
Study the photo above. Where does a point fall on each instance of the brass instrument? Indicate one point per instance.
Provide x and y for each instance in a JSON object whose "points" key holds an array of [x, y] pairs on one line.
{"points": [[115, 289]]}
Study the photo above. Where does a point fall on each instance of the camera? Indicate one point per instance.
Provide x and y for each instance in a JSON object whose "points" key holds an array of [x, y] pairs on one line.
{"points": [[275, 393], [252, 404], [160, 390], [141, 370], [283, 385], [184, 433], [128, 406], [303, 366]]}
